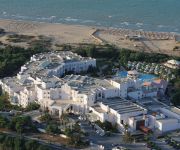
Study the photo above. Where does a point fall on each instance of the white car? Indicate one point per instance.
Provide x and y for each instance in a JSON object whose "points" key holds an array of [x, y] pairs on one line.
{"points": [[118, 148]]}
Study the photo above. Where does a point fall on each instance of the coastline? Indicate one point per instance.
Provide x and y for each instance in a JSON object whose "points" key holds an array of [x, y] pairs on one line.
{"points": [[80, 25], [158, 42]]}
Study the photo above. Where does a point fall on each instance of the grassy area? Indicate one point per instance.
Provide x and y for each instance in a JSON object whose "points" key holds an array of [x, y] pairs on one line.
{"points": [[16, 38], [9, 142], [43, 42]]}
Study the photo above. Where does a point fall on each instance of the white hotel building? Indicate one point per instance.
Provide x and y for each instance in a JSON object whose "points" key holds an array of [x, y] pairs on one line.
{"points": [[37, 79], [41, 80]]}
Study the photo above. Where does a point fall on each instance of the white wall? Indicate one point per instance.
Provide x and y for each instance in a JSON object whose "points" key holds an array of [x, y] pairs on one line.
{"points": [[169, 113], [136, 95], [150, 94], [109, 93], [168, 125], [55, 93], [122, 88]]}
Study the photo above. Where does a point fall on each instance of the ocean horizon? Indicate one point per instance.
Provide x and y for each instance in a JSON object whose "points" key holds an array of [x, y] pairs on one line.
{"points": [[151, 15]]}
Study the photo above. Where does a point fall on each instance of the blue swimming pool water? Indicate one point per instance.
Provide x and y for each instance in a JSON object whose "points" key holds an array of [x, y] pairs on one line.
{"points": [[143, 77]]}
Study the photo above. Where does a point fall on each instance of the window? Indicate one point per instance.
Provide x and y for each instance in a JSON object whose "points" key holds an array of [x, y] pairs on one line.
{"points": [[122, 121]]}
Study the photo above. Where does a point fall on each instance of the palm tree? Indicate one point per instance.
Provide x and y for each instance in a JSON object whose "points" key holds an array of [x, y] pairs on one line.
{"points": [[127, 138], [126, 127]]}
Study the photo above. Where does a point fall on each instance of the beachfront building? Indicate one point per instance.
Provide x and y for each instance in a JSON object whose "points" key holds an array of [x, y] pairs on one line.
{"points": [[55, 63], [48, 89], [135, 89], [10, 86], [37, 79], [43, 80], [87, 90], [119, 111], [18, 94], [153, 88], [124, 85], [78, 93], [123, 112], [173, 64], [164, 120]]}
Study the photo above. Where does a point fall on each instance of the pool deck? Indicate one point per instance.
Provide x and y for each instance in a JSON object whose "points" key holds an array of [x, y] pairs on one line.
{"points": [[143, 77]]}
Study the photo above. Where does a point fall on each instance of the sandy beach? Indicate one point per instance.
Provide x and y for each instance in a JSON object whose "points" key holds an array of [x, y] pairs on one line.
{"points": [[63, 33]]}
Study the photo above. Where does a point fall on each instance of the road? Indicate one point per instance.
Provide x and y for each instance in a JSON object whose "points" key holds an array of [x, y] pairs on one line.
{"points": [[107, 142], [163, 145]]}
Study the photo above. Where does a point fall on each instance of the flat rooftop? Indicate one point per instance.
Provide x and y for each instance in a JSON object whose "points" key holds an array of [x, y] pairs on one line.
{"points": [[41, 64], [120, 80], [13, 84], [63, 56], [175, 110], [122, 106], [98, 109], [53, 81], [85, 84]]}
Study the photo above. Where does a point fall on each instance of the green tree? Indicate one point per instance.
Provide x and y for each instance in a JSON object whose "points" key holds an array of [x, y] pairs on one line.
{"points": [[43, 147], [46, 118], [9, 142], [2, 137], [32, 106], [19, 127], [176, 98], [22, 124], [4, 122], [127, 138], [19, 143], [91, 51], [31, 145], [53, 128]]}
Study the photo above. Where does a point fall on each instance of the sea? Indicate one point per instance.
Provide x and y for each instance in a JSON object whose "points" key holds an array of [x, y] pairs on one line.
{"points": [[149, 15]]}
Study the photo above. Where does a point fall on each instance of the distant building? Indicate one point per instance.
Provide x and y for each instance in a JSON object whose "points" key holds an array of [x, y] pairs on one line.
{"points": [[133, 74], [134, 37], [161, 86], [173, 64]]}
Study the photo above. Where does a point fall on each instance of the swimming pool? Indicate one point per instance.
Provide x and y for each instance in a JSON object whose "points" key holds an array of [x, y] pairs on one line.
{"points": [[143, 76]]}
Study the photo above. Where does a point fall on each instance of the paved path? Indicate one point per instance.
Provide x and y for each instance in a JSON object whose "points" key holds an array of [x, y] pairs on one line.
{"points": [[115, 139], [163, 145]]}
